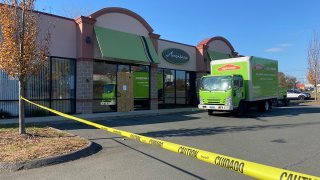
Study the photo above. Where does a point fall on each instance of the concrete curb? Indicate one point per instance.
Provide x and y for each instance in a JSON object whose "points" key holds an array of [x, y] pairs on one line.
{"points": [[90, 149], [101, 116]]}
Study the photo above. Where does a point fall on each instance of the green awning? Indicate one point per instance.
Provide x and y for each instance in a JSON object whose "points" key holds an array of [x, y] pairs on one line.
{"points": [[213, 55], [124, 46]]}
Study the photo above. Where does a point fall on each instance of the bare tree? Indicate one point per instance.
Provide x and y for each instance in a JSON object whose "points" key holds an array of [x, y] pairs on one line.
{"points": [[22, 51], [313, 62], [287, 81], [291, 82], [282, 79]]}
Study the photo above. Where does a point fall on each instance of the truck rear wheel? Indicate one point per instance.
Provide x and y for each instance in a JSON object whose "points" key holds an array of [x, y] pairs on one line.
{"points": [[286, 102], [264, 106]]}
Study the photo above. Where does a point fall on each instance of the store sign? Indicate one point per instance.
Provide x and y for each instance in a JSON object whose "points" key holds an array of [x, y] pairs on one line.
{"points": [[258, 67], [229, 67], [175, 56]]}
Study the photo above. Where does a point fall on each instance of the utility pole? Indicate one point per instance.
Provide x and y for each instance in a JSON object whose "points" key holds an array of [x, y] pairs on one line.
{"points": [[315, 81]]}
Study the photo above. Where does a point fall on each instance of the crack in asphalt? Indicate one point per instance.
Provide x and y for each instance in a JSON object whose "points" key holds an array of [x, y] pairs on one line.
{"points": [[301, 161]]}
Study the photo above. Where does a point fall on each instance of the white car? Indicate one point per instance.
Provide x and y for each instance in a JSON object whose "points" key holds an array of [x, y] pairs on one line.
{"points": [[296, 94]]}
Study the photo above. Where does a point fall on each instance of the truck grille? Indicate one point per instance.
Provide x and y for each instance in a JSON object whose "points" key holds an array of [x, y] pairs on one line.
{"points": [[216, 101]]}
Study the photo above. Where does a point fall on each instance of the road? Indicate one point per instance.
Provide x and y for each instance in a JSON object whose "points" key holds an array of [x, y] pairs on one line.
{"points": [[285, 138]]}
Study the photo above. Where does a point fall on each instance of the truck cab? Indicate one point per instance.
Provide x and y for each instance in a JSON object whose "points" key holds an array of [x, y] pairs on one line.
{"points": [[221, 93]]}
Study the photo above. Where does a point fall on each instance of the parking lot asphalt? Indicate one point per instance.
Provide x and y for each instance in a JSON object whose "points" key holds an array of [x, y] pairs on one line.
{"points": [[286, 137]]}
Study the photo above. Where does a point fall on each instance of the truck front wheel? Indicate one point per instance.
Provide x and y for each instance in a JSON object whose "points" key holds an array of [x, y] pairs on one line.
{"points": [[242, 109], [210, 112]]}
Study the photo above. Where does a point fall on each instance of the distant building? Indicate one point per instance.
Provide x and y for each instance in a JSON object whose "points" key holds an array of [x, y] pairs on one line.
{"points": [[300, 86]]}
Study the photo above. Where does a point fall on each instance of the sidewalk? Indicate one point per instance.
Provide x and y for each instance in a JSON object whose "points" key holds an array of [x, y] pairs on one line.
{"points": [[101, 116]]}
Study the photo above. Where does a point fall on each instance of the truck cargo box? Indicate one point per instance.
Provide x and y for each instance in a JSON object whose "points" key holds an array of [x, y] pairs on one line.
{"points": [[260, 75]]}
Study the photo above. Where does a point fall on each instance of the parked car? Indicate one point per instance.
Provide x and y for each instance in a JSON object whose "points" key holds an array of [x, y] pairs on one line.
{"points": [[296, 94]]}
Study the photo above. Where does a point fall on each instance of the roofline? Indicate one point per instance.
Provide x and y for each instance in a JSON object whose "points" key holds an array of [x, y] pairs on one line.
{"points": [[57, 16], [122, 11], [48, 14], [219, 38], [177, 43]]}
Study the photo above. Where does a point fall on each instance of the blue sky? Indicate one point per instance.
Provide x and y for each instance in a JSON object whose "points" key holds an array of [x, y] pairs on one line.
{"points": [[276, 29]]}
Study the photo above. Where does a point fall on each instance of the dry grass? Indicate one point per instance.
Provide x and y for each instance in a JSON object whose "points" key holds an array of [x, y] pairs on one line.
{"points": [[313, 95], [38, 143], [311, 102]]}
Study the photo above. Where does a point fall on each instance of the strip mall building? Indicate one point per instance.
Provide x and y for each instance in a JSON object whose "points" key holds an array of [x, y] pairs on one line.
{"points": [[113, 60]]}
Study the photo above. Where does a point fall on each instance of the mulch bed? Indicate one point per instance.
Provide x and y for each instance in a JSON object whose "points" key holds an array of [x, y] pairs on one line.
{"points": [[39, 142]]}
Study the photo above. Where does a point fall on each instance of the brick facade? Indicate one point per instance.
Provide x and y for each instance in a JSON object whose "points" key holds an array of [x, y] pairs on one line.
{"points": [[153, 86], [84, 86]]}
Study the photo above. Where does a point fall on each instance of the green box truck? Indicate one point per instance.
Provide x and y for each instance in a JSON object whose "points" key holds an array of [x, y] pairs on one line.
{"points": [[236, 84]]}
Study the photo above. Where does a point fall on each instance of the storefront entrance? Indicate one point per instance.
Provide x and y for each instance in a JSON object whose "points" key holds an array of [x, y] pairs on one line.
{"points": [[125, 92], [120, 87]]}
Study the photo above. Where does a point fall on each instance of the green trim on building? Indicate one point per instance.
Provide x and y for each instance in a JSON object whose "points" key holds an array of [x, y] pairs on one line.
{"points": [[152, 50], [213, 55], [124, 46]]}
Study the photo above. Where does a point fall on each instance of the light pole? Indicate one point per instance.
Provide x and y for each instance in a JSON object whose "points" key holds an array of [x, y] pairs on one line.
{"points": [[315, 80]]}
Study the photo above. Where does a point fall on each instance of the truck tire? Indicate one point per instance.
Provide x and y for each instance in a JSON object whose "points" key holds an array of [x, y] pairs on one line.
{"points": [[264, 106], [210, 112], [286, 102], [301, 97]]}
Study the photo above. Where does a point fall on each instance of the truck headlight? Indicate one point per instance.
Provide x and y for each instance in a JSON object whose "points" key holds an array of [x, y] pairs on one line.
{"points": [[229, 101]]}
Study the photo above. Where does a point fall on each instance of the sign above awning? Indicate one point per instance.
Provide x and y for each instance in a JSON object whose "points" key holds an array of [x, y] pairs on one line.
{"points": [[175, 56], [125, 46], [213, 55]]}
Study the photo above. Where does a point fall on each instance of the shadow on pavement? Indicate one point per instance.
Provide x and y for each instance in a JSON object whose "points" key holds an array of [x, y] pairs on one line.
{"points": [[220, 130], [180, 117], [276, 111], [127, 122], [164, 162]]}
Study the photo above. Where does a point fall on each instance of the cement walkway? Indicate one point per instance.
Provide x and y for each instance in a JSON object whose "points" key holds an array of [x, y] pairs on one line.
{"points": [[101, 116]]}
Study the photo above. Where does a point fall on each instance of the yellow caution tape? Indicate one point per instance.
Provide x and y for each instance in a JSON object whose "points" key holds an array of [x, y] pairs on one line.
{"points": [[255, 170]]}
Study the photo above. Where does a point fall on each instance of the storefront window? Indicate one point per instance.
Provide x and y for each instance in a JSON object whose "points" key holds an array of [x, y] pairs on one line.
{"points": [[169, 86], [63, 84], [53, 87], [181, 87], [188, 94], [104, 87], [123, 68], [160, 87], [141, 87], [179, 90], [38, 90]]}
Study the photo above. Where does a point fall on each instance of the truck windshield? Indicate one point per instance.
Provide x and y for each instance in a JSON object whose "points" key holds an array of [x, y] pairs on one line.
{"points": [[108, 88], [216, 83]]}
